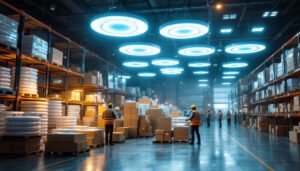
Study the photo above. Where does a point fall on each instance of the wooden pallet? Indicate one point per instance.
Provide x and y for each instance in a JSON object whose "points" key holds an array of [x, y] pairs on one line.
{"points": [[29, 95], [7, 91], [186, 141], [53, 63], [8, 47], [75, 153], [161, 142], [96, 146], [39, 59]]}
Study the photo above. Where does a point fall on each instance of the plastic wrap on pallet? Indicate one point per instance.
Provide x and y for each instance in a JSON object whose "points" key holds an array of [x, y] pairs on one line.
{"points": [[35, 46], [292, 84], [292, 59], [271, 72], [28, 80], [278, 69], [8, 31], [5, 78], [56, 56]]}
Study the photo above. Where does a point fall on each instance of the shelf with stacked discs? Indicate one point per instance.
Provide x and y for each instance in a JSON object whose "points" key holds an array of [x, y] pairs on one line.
{"points": [[66, 122], [74, 110], [2, 119], [28, 80], [5, 78], [55, 111], [22, 126]]}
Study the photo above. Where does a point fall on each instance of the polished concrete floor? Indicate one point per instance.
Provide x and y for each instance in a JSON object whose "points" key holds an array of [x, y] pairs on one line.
{"points": [[234, 148]]}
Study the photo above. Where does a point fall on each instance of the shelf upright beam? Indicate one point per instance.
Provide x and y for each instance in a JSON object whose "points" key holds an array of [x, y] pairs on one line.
{"points": [[49, 58], [19, 59], [82, 79], [285, 88], [67, 78]]}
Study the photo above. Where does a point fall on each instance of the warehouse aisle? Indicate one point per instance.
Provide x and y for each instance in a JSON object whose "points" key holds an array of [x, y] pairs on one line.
{"points": [[237, 148]]}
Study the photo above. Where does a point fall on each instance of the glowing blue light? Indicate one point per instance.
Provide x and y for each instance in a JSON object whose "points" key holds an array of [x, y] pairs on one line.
{"points": [[244, 48], [139, 49], [126, 77], [204, 80], [136, 64], [228, 77], [199, 64], [226, 30], [147, 74], [235, 64], [231, 72], [171, 71], [257, 29], [183, 29], [226, 83], [203, 85], [200, 72], [119, 24], [165, 62], [196, 50]]}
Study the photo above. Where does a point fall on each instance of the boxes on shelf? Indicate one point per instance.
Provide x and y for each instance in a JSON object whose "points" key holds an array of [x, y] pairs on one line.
{"points": [[8, 31], [66, 142], [91, 98], [75, 68], [280, 130], [101, 109], [74, 95], [118, 137], [181, 133], [35, 46], [292, 84], [90, 79], [98, 76], [91, 112], [279, 69], [292, 56], [94, 137], [296, 104], [125, 131], [120, 100], [165, 124], [272, 72], [56, 56], [75, 81]]}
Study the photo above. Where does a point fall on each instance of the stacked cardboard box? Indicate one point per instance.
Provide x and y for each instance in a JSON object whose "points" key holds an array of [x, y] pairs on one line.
{"points": [[153, 116], [73, 95], [56, 56], [296, 105], [125, 131], [145, 129], [66, 142], [164, 124], [118, 137], [94, 137], [279, 69], [280, 130], [292, 62], [292, 84], [272, 72], [131, 118], [99, 78], [101, 109], [181, 133], [35, 46], [175, 114], [20, 145], [294, 134], [90, 79], [120, 100], [145, 101], [118, 124], [263, 124]]}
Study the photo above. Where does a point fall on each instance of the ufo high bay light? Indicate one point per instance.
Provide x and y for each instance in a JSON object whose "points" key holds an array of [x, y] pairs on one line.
{"points": [[171, 71], [199, 64], [165, 62], [139, 49], [231, 72], [119, 24], [136, 64], [196, 50], [244, 48], [146, 74], [238, 64], [183, 29], [200, 72]]}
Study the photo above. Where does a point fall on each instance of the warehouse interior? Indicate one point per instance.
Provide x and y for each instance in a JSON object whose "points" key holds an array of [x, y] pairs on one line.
{"points": [[127, 84]]}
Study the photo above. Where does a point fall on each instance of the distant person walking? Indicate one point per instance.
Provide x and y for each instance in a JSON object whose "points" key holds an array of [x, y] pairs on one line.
{"points": [[220, 118], [208, 115], [235, 118], [229, 118]]}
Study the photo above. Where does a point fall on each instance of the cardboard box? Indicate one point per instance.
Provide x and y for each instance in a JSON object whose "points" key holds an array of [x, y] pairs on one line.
{"points": [[181, 133], [175, 114], [118, 137], [145, 100], [133, 132], [280, 130], [153, 116], [66, 137], [159, 135], [19, 145], [118, 123], [56, 56], [90, 79], [65, 146], [130, 105], [125, 131], [294, 136], [263, 128], [145, 134], [167, 135], [165, 124]]}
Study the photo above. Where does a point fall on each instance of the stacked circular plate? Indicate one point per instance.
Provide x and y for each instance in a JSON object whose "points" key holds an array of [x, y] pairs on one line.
{"points": [[5, 78], [55, 111], [22, 126], [43, 122], [28, 80], [66, 122], [2, 107], [74, 110]]}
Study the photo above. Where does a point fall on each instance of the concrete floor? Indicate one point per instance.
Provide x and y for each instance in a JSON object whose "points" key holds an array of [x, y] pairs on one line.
{"points": [[234, 148]]}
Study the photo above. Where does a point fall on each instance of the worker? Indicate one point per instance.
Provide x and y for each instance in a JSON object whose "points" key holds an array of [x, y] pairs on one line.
{"points": [[229, 119], [220, 118], [195, 119], [109, 116], [235, 118], [208, 115]]}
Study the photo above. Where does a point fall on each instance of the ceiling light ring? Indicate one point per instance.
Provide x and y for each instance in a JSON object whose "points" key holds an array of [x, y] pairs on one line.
{"points": [[197, 50], [148, 49]]}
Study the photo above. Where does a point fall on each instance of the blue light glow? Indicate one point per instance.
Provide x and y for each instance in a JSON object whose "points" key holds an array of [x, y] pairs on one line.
{"points": [[165, 62], [231, 72], [226, 83], [119, 24], [226, 30], [196, 50], [235, 64], [257, 29], [203, 85], [126, 77], [147, 74], [203, 80], [139, 49], [200, 72], [199, 64], [136, 64], [228, 77], [244, 48], [183, 29], [171, 71]]}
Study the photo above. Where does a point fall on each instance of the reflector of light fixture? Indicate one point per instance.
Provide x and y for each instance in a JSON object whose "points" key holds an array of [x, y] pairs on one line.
{"points": [[226, 83], [231, 72], [200, 72], [165, 62], [203, 80], [199, 64], [147, 74], [139, 49], [171, 71], [136, 64], [244, 48], [196, 50], [235, 64], [228, 77]]}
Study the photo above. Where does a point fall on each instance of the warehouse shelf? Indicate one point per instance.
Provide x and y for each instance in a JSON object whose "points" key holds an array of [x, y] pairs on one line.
{"points": [[7, 97]]}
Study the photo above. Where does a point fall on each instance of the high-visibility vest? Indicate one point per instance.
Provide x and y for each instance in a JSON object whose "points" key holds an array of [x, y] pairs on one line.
{"points": [[220, 115], [196, 119], [229, 116], [108, 117]]}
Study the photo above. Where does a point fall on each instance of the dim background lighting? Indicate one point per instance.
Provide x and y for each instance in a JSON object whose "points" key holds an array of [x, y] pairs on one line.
{"points": [[203, 85], [226, 83], [257, 29], [196, 50], [235, 64], [183, 29], [165, 62], [147, 74], [226, 30], [126, 77], [219, 6], [171, 71], [228, 77], [119, 24], [231, 72], [204, 80], [199, 64], [244, 48], [140, 49], [136, 64], [200, 72]]}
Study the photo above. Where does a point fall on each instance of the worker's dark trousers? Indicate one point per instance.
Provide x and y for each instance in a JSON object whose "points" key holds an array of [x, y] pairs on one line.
{"points": [[208, 122], [235, 121], [229, 122], [109, 130], [195, 129], [220, 123]]}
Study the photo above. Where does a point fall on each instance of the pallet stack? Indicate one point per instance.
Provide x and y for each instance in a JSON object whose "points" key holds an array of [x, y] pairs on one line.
{"points": [[145, 129], [94, 137], [28, 81], [294, 134], [163, 133], [131, 118]]}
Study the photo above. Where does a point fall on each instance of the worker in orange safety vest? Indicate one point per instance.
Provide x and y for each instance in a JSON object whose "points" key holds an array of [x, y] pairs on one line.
{"points": [[229, 118], [220, 118], [109, 117], [195, 119]]}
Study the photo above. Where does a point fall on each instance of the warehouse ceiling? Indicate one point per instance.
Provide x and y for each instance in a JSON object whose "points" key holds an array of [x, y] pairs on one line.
{"points": [[73, 17]]}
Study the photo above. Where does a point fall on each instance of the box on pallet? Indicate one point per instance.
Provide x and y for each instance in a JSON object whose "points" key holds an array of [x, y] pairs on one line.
{"points": [[181, 133], [153, 116], [19, 145], [133, 132], [90, 79], [101, 109], [144, 101], [118, 137], [165, 124], [93, 136], [56, 56], [159, 135], [145, 128], [125, 131], [118, 123], [66, 142]]}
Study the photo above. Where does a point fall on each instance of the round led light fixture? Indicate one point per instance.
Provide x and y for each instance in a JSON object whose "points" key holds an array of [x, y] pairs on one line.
{"points": [[231, 72], [171, 71], [228, 77], [226, 83], [204, 80], [199, 64], [235, 64], [244, 48], [126, 77], [203, 85], [136, 64], [200, 72], [183, 29], [196, 50], [140, 49], [119, 24], [147, 74], [165, 62]]}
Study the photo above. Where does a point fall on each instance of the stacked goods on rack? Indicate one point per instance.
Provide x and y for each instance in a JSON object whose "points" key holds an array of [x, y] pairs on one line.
{"points": [[262, 124], [153, 116], [279, 69], [66, 142], [35, 46], [8, 31], [90, 116], [22, 126], [56, 56], [73, 95], [38, 109], [120, 100], [131, 118], [292, 84], [55, 111], [93, 97], [101, 109], [292, 57], [125, 131], [94, 137], [296, 105], [118, 137], [272, 72], [74, 111], [2, 119], [5, 77], [294, 134], [145, 129], [28, 80], [66, 122], [94, 78]]}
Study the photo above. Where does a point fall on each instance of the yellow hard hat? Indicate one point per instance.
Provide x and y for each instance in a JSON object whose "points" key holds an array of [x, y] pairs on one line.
{"points": [[193, 107], [110, 104]]}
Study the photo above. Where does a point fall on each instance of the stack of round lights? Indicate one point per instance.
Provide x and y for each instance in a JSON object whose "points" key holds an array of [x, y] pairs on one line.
{"points": [[196, 50], [228, 77], [119, 25], [55, 111], [28, 80], [183, 29], [200, 72], [171, 71], [74, 110], [136, 64], [147, 74], [165, 62], [22, 126], [231, 72], [235, 64], [140, 49], [199, 64], [5, 78], [203, 80], [66, 122], [244, 48]]}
